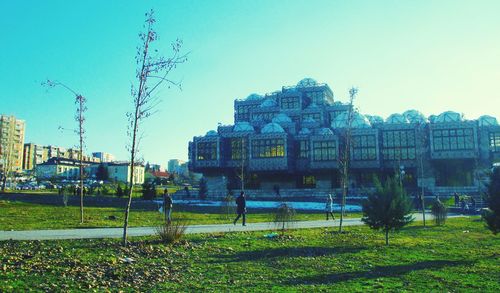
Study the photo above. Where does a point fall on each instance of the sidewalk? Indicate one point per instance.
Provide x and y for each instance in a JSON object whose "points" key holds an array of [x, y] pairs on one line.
{"points": [[192, 229]]}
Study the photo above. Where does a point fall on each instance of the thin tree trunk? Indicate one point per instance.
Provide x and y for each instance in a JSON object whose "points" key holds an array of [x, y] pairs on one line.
{"points": [[342, 207], [387, 237], [130, 191], [422, 190], [81, 157], [134, 136]]}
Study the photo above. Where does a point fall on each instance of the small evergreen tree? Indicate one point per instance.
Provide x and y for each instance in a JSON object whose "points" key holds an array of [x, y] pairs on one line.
{"points": [[203, 191], [119, 191], [492, 214], [389, 208], [439, 211], [102, 173], [148, 191]]}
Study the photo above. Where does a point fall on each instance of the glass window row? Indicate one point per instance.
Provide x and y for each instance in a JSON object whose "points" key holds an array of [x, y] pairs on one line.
{"points": [[268, 148], [206, 151], [398, 138]]}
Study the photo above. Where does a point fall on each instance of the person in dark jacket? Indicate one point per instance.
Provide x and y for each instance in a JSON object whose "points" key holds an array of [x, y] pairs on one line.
{"points": [[457, 199], [167, 206], [241, 208]]}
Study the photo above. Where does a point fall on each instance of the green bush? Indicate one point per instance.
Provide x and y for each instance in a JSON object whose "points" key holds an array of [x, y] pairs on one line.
{"points": [[148, 191], [389, 208], [119, 191]]}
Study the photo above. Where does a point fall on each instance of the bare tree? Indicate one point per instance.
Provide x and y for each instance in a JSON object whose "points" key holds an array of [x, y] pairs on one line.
{"points": [[81, 108], [241, 172], [152, 72], [421, 153], [344, 158]]}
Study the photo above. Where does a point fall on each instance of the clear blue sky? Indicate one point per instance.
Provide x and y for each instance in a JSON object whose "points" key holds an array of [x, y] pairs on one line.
{"points": [[427, 55]]}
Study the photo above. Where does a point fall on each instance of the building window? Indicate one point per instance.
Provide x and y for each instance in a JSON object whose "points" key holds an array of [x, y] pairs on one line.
{"points": [[324, 151], [207, 151], [398, 145], [243, 112], [268, 148], [238, 148], [315, 116], [364, 148], [290, 103], [303, 149], [495, 141], [263, 116], [308, 181], [316, 97], [453, 139]]}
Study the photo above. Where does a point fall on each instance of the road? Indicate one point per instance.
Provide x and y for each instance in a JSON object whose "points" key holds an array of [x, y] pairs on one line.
{"points": [[192, 229]]}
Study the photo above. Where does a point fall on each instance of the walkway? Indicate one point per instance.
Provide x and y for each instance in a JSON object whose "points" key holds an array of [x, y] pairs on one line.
{"points": [[192, 229]]}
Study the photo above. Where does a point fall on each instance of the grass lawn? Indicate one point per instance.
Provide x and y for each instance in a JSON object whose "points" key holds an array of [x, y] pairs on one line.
{"points": [[27, 216], [461, 256]]}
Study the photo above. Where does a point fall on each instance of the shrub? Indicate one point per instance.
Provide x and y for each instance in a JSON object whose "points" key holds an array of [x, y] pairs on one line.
{"points": [[284, 217], [148, 191], [439, 211], [171, 232], [203, 191], [389, 208], [119, 191], [105, 190]]}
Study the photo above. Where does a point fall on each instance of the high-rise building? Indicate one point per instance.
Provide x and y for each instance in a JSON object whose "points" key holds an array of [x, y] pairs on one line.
{"points": [[174, 164], [11, 143], [104, 157], [34, 154]]}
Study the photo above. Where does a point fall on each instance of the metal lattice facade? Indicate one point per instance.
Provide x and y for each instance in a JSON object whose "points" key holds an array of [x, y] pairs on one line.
{"points": [[293, 138]]}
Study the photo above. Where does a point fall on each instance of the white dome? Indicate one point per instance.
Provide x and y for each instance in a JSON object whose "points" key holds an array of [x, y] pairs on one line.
{"points": [[374, 119], [396, 119], [268, 103], [242, 126], [325, 131], [358, 121], [254, 97], [448, 116], [487, 120], [212, 133], [282, 118], [272, 128], [415, 116], [305, 130], [307, 82]]}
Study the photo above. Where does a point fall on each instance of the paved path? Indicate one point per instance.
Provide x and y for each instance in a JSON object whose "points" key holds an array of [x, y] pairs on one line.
{"points": [[192, 229]]}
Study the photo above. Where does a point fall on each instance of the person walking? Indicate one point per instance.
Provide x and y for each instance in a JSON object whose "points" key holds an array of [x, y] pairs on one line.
{"points": [[167, 206], [329, 207], [241, 208]]}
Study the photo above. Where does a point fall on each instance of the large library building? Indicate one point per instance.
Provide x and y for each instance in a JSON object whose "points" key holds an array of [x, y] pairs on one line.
{"points": [[290, 142]]}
